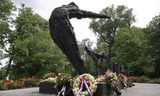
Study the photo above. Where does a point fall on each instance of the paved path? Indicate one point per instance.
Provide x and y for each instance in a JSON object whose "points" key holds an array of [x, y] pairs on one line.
{"points": [[23, 92], [140, 89]]}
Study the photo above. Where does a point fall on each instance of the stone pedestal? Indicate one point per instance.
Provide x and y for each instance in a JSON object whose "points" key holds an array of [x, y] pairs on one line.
{"points": [[47, 87], [103, 89], [120, 85]]}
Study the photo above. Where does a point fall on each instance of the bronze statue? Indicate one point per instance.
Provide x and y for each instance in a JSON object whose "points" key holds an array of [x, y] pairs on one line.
{"points": [[97, 59], [63, 35]]}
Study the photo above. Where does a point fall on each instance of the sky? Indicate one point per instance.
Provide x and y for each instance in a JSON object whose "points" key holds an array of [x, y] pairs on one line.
{"points": [[144, 10]]}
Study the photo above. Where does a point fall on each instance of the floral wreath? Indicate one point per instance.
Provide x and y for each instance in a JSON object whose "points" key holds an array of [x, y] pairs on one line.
{"points": [[84, 85]]}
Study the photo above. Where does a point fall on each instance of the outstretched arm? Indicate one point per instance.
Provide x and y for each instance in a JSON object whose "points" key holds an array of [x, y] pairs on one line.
{"points": [[94, 54], [77, 13]]}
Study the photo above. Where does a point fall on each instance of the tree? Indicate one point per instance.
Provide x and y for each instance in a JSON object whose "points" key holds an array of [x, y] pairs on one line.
{"points": [[107, 29], [87, 59], [6, 8], [131, 51], [33, 51], [153, 34]]}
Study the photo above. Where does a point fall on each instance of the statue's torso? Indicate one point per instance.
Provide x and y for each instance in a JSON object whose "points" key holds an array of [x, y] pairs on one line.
{"points": [[59, 21]]}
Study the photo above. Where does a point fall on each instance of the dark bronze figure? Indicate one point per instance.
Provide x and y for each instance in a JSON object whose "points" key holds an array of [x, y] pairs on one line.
{"points": [[63, 35], [97, 59]]}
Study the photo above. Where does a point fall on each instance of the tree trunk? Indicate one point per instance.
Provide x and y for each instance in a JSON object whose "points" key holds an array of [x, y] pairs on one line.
{"points": [[9, 67], [110, 45], [110, 57]]}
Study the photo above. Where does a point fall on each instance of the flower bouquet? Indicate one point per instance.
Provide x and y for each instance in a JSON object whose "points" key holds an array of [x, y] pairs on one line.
{"points": [[111, 77], [100, 78]]}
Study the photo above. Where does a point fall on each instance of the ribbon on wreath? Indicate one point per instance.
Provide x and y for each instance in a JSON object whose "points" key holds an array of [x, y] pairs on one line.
{"points": [[84, 84]]}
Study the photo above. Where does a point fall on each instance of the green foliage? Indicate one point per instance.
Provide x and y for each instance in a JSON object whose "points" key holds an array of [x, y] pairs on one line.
{"points": [[6, 8], [2, 74], [90, 65], [6, 20], [107, 29], [144, 79], [30, 83], [131, 51], [28, 23], [11, 85], [88, 60], [1, 86], [128, 45], [157, 81], [153, 34], [47, 75], [33, 51], [126, 40], [120, 17]]}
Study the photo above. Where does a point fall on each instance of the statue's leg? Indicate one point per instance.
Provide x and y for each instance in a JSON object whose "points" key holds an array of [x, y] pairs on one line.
{"points": [[70, 49]]}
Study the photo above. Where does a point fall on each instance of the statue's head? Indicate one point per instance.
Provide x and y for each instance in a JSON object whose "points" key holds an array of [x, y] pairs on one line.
{"points": [[72, 4]]}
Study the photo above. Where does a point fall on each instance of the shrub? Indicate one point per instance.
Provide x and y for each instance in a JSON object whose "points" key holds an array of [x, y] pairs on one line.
{"points": [[19, 83], [142, 79], [48, 75], [5, 84], [1, 86], [11, 85], [30, 83], [155, 81]]}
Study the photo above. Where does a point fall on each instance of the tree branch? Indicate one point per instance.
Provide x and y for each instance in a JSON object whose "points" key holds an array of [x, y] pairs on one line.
{"points": [[102, 37]]}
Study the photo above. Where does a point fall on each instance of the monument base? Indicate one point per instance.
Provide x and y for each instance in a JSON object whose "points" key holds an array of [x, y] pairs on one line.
{"points": [[47, 87], [103, 89]]}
